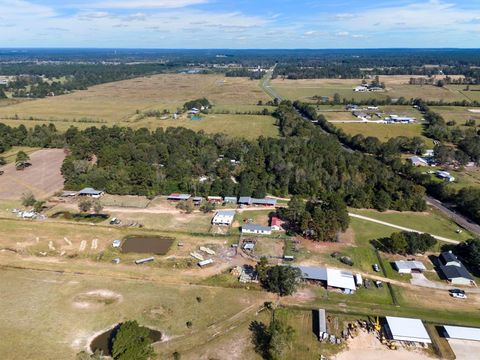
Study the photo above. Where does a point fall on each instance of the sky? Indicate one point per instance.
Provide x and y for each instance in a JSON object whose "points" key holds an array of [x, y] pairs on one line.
{"points": [[240, 24]]}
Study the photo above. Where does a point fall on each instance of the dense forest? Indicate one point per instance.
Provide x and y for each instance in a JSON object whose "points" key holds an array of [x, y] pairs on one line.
{"points": [[304, 162]]}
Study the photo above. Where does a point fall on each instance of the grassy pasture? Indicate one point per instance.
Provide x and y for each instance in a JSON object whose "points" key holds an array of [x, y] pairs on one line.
{"points": [[247, 126], [384, 131], [11, 154], [431, 222], [118, 101], [397, 86], [459, 114], [40, 315]]}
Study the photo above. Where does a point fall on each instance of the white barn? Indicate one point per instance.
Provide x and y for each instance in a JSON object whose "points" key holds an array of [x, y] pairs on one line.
{"points": [[223, 217]]}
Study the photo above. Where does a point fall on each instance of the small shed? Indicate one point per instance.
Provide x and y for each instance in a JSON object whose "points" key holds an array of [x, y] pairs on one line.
{"points": [[407, 329]]}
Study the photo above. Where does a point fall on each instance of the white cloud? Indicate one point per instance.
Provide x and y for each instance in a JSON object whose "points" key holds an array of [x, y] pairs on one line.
{"points": [[144, 4], [309, 33], [342, 33]]}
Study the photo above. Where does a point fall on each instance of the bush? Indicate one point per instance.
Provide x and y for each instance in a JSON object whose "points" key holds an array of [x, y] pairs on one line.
{"points": [[406, 243], [132, 342]]}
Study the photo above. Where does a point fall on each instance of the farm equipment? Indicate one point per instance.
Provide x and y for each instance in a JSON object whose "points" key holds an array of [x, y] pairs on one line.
{"points": [[377, 326]]}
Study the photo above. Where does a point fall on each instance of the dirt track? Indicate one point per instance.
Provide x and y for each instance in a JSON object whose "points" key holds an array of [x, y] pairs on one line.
{"points": [[43, 178]]}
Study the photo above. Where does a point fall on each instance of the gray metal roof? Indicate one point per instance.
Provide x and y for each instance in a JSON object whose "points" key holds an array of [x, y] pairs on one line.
{"points": [[264, 201], [463, 333], [230, 199], [455, 272], [313, 273], [245, 200], [447, 256], [402, 264], [226, 213], [179, 196], [255, 227], [89, 191]]}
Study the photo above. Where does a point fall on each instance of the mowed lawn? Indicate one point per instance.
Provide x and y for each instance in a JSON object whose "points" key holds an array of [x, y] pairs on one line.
{"points": [[118, 101], [41, 318], [396, 87], [246, 126], [431, 222]]}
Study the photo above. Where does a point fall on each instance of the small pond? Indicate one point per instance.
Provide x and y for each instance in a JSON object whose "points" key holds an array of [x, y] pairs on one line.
{"points": [[80, 217], [158, 245], [103, 342]]}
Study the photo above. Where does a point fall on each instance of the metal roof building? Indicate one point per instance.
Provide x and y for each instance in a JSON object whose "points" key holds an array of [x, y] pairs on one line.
{"points": [[90, 192], [224, 217], [265, 202], [230, 199], [179, 196], [340, 279], [246, 200], [407, 329], [406, 267], [313, 273], [462, 333]]}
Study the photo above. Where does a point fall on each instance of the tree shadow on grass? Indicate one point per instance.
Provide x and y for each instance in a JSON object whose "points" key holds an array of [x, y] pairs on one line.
{"points": [[260, 338]]}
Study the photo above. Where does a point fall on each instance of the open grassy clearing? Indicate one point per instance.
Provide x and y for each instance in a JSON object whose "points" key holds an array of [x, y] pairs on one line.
{"points": [[11, 154], [336, 113], [118, 101], [460, 114], [431, 222], [247, 126], [43, 178], [397, 86], [384, 131], [41, 317]]}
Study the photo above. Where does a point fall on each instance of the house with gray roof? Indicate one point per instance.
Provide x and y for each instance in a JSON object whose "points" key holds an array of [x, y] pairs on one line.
{"points": [[256, 229], [90, 192]]}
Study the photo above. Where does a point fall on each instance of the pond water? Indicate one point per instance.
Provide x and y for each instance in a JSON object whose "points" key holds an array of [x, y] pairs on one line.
{"points": [[103, 342], [147, 244], [80, 217]]}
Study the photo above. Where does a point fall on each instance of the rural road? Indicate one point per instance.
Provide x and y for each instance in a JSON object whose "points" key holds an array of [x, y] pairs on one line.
{"points": [[441, 238], [265, 84], [459, 219]]}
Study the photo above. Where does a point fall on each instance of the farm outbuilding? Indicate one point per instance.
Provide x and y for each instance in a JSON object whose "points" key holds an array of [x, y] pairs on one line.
{"points": [[230, 200], [407, 267], [453, 269], [223, 217], [341, 280], [407, 329], [178, 197], [91, 193], [462, 333], [276, 223]]}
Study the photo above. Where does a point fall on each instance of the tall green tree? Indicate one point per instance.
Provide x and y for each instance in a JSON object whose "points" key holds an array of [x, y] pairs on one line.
{"points": [[132, 342]]}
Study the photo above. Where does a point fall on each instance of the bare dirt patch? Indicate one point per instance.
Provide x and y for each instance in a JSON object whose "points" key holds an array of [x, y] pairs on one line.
{"points": [[43, 178], [366, 346], [96, 299]]}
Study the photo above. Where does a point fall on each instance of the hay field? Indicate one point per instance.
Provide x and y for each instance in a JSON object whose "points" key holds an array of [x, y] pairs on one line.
{"points": [[397, 86], [118, 101], [459, 114], [384, 131], [246, 126]]}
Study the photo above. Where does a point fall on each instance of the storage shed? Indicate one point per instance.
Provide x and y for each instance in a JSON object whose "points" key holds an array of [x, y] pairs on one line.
{"points": [[407, 329]]}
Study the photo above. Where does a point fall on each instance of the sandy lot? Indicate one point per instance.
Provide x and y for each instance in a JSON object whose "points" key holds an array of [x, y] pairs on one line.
{"points": [[464, 349], [43, 178], [367, 347]]}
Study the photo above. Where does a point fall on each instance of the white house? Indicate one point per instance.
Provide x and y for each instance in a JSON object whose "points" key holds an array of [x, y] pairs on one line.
{"points": [[223, 217], [256, 229], [361, 89]]}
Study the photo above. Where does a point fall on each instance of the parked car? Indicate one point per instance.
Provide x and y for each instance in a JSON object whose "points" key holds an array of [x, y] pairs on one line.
{"points": [[458, 295], [457, 291], [116, 243], [376, 268], [378, 284]]}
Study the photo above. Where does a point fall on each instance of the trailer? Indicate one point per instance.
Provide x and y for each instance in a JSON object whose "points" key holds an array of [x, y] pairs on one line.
{"points": [[144, 261], [358, 280], [205, 262]]}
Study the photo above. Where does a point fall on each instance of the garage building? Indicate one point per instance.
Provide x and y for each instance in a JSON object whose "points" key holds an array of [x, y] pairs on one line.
{"points": [[407, 329]]}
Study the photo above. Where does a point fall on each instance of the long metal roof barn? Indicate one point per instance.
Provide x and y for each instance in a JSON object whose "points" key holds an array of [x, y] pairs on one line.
{"points": [[462, 333], [406, 329]]}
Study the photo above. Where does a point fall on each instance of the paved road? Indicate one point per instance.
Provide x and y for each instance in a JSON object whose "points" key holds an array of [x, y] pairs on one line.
{"points": [[459, 219], [441, 238], [265, 84]]}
